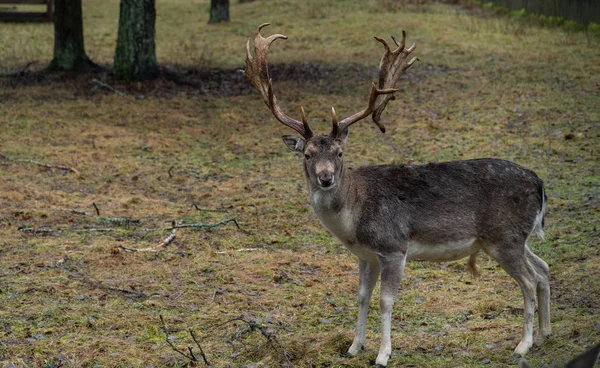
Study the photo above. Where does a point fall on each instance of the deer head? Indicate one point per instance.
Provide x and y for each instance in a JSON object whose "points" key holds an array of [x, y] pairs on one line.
{"points": [[323, 152]]}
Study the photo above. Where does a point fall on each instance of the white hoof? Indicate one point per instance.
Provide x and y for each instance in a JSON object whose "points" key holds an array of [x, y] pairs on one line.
{"points": [[523, 348], [382, 359], [355, 349]]}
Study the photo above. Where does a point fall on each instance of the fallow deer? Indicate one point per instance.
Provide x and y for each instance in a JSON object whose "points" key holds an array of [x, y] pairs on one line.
{"points": [[389, 214]]}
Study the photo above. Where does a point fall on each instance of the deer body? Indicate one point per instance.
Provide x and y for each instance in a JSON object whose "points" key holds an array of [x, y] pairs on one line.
{"points": [[434, 212], [386, 215]]}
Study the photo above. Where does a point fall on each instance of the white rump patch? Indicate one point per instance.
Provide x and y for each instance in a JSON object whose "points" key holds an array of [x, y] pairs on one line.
{"points": [[539, 219]]}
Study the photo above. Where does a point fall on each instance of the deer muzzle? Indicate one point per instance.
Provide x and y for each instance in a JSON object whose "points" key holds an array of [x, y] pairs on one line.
{"points": [[325, 179]]}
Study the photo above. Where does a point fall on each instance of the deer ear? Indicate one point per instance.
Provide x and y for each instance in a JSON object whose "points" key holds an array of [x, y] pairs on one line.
{"points": [[293, 143]]}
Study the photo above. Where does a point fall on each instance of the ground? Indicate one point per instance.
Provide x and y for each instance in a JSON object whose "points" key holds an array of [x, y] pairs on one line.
{"points": [[147, 154]]}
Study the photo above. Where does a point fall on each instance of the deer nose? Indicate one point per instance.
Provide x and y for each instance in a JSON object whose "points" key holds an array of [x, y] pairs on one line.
{"points": [[325, 179]]}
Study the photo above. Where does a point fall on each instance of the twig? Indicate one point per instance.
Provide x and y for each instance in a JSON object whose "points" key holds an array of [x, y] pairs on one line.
{"points": [[191, 356], [90, 230], [22, 71], [99, 285], [107, 86], [169, 172], [38, 231], [217, 291], [157, 247], [240, 250], [201, 224], [194, 205], [96, 208], [165, 242], [164, 326], [80, 212], [48, 166], [199, 347], [48, 231]]}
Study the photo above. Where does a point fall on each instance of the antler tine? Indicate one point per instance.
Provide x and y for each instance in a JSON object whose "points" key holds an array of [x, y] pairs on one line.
{"points": [[305, 123], [335, 129], [257, 73], [345, 123]]}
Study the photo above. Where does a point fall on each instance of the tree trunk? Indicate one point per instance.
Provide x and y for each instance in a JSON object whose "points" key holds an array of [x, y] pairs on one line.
{"points": [[135, 56], [219, 11], [69, 51]]}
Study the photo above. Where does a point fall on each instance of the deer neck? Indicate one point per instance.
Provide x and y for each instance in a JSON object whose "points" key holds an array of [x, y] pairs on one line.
{"points": [[334, 208]]}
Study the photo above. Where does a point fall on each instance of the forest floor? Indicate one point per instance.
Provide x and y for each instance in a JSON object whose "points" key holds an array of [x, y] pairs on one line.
{"points": [[279, 290]]}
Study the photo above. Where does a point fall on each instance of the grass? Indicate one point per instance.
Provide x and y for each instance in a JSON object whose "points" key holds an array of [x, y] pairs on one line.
{"points": [[486, 86]]}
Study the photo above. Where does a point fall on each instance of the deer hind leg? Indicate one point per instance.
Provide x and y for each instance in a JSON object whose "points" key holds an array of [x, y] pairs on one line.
{"points": [[542, 273], [392, 268], [472, 265], [368, 275], [513, 260]]}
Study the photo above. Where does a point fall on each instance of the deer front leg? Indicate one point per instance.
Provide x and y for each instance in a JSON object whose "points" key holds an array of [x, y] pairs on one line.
{"points": [[392, 268], [368, 275]]}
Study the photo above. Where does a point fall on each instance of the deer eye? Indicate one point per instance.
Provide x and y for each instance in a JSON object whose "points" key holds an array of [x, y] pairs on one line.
{"points": [[307, 157], [340, 155]]}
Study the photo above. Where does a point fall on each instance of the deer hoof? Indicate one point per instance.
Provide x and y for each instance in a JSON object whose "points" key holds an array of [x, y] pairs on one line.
{"points": [[382, 362], [373, 363], [522, 349], [353, 351], [540, 339], [516, 356]]}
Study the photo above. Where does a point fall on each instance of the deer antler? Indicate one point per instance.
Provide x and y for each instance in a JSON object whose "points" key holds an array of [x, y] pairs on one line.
{"points": [[393, 64], [257, 73]]}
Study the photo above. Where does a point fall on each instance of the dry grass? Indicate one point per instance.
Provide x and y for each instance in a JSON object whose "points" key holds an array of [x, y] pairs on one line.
{"points": [[480, 90]]}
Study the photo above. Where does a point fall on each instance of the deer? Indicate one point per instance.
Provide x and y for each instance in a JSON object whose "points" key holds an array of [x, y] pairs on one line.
{"points": [[388, 214]]}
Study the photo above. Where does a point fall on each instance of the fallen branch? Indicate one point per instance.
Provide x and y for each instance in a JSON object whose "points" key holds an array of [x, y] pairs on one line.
{"points": [[48, 166], [191, 356], [48, 231], [155, 248], [107, 86]]}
